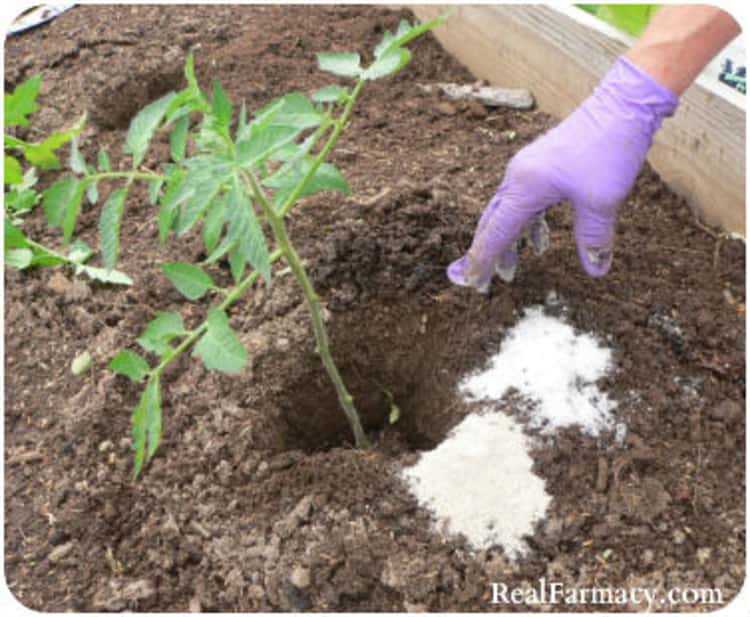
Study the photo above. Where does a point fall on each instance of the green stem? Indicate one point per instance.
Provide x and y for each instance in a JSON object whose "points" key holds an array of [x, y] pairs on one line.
{"points": [[131, 175], [232, 297], [339, 125], [313, 302]]}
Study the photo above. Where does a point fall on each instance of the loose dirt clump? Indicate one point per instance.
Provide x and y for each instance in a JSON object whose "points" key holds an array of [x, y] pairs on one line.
{"points": [[256, 500]]}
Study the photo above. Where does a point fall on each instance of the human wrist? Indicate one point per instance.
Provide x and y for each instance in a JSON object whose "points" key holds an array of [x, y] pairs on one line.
{"points": [[630, 86]]}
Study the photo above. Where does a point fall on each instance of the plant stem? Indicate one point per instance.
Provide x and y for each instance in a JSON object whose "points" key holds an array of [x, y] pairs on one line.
{"points": [[313, 303], [339, 125], [232, 297], [132, 175]]}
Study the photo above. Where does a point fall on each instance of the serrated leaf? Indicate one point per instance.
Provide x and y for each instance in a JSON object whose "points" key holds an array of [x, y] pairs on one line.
{"points": [[109, 226], [153, 191], [405, 33], [146, 421], [388, 64], [13, 171], [178, 139], [130, 364], [326, 178], [169, 204], [343, 64], [220, 348], [261, 144], [213, 225], [197, 189], [165, 327], [77, 162], [189, 279], [21, 103], [80, 252], [237, 262], [62, 202], [221, 106], [103, 162], [245, 229], [18, 258], [102, 275], [330, 94], [143, 126]]}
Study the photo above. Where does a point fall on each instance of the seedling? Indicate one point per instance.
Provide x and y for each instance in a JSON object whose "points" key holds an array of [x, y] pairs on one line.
{"points": [[238, 180]]}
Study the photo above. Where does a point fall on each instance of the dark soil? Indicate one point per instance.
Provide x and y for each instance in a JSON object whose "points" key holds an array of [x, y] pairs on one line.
{"points": [[256, 500]]}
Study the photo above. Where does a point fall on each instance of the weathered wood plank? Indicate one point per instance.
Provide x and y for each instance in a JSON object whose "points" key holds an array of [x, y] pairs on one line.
{"points": [[560, 56]]}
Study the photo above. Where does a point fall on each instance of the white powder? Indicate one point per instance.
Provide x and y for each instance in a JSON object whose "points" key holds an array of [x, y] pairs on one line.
{"points": [[548, 363], [479, 483]]}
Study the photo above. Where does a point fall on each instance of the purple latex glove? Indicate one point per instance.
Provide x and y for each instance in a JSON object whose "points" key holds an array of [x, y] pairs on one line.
{"points": [[590, 159]]}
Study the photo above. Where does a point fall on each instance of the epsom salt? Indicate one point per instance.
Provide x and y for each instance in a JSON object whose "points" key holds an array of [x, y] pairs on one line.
{"points": [[479, 481], [555, 369]]}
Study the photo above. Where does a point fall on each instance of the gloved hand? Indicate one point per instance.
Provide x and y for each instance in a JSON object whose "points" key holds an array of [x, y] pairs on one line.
{"points": [[590, 159]]}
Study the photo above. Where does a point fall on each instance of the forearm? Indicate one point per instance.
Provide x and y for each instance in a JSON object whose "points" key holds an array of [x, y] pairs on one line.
{"points": [[680, 41]]}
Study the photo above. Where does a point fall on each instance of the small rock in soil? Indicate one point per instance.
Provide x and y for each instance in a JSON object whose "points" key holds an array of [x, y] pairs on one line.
{"points": [[300, 577], [61, 552], [446, 108]]}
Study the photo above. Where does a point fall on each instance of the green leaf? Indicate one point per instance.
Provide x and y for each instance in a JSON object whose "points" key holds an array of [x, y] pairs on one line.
{"points": [[197, 189], [326, 178], [261, 144], [22, 103], [43, 154], [143, 126], [112, 277], [388, 64], [213, 225], [131, 365], [62, 197], [178, 139], [220, 348], [14, 237], [20, 201], [92, 193], [146, 420], [109, 226], [13, 171], [103, 162], [190, 280], [80, 252], [221, 107], [405, 33], [237, 262], [161, 330], [18, 258], [245, 229], [153, 191], [77, 162], [169, 203], [330, 94], [344, 64]]}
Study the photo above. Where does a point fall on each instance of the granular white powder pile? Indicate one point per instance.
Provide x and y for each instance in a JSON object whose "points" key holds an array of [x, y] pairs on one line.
{"points": [[548, 363], [479, 483]]}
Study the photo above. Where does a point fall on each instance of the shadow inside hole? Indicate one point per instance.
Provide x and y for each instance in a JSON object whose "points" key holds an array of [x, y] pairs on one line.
{"points": [[413, 360]]}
